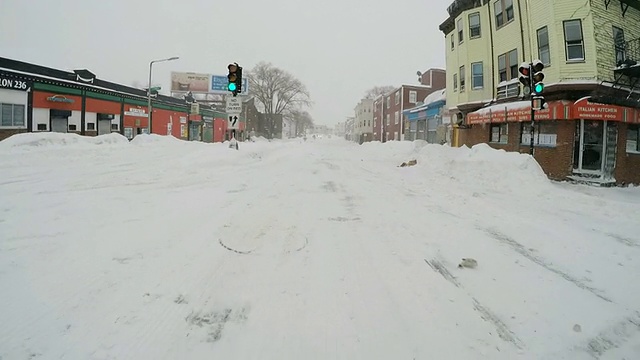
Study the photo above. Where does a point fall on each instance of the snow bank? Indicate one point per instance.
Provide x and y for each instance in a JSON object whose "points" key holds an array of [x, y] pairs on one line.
{"points": [[155, 139], [484, 166], [53, 140]]}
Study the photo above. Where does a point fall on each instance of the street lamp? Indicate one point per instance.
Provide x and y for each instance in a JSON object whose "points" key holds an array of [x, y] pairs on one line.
{"points": [[149, 89]]}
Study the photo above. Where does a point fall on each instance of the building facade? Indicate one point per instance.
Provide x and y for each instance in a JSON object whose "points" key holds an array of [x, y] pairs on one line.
{"points": [[429, 121], [35, 98], [363, 122], [589, 130]]}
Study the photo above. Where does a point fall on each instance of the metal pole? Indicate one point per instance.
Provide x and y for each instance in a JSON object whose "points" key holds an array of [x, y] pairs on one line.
{"points": [[533, 112], [149, 99]]}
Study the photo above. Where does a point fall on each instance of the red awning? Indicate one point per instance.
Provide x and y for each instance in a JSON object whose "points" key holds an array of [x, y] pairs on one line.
{"points": [[519, 111], [583, 109]]}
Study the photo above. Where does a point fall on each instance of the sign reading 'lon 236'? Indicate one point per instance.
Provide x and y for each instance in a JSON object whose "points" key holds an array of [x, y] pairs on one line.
{"points": [[14, 84]]}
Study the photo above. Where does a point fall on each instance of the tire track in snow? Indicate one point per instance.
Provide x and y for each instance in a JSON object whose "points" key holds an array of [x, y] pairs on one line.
{"points": [[485, 313], [520, 249]]}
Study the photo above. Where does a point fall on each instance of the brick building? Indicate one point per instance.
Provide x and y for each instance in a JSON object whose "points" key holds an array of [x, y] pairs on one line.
{"points": [[590, 128]]}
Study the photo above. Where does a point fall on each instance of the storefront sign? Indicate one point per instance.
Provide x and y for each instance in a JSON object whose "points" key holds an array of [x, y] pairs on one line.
{"points": [[136, 112], [516, 112], [583, 109], [14, 84], [60, 99]]}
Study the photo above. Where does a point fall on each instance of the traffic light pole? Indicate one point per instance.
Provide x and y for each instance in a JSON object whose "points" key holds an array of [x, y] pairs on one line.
{"points": [[533, 114], [532, 130]]}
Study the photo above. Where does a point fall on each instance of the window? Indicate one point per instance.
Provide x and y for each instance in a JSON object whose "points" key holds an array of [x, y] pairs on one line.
{"points": [[72, 127], [462, 78], [413, 96], [503, 12], [396, 119], [545, 133], [455, 82], [91, 126], [474, 25], [633, 139], [12, 115], [397, 96], [574, 45], [452, 43], [460, 31], [618, 40], [114, 127], [508, 65], [42, 127], [388, 119], [477, 76], [543, 46], [499, 133]]}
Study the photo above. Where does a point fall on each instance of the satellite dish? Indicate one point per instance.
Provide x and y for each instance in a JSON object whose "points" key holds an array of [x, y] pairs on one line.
{"points": [[419, 73]]}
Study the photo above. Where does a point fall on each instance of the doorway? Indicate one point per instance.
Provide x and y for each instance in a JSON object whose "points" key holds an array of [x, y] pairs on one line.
{"points": [[590, 146]]}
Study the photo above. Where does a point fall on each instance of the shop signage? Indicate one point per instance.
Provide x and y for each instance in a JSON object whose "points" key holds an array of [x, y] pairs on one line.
{"points": [[516, 112], [136, 112], [583, 109], [60, 99], [14, 84]]}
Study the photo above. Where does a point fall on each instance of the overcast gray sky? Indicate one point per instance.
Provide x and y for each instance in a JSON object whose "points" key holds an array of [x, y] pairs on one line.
{"points": [[338, 49]]}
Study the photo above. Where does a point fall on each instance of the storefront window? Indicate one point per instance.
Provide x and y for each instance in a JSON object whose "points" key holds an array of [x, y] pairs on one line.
{"points": [[499, 133], [633, 139], [545, 133]]}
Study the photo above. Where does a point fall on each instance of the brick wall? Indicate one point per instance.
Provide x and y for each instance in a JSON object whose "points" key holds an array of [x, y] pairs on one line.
{"points": [[8, 132], [557, 162], [627, 164]]}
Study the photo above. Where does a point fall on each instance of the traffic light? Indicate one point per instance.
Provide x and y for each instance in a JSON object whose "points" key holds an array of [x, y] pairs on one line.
{"points": [[525, 78], [537, 77], [538, 102], [235, 78]]}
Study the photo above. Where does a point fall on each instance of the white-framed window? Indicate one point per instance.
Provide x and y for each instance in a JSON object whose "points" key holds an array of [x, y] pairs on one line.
{"points": [[545, 133], [397, 96], [396, 119], [477, 76], [499, 133], [503, 12], [460, 31], [462, 77], [508, 65], [619, 45], [413, 96], [474, 25], [388, 102], [574, 43], [544, 53], [12, 116], [388, 119], [633, 139], [452, 43], [455, 82]]}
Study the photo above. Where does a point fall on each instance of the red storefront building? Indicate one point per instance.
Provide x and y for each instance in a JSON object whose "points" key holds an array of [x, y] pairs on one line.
{"points": [[35, 98]]}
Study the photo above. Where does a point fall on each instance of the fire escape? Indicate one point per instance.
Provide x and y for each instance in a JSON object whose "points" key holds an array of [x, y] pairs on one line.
{"points": [[624, 90]]}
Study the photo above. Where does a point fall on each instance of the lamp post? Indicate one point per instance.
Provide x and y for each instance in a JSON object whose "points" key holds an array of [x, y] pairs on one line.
{"points": [[149, 89]]}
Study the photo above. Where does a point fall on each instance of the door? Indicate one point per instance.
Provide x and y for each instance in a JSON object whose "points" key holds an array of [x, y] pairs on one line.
{"points": [[59, 124], [590, 147], [104, 127]]}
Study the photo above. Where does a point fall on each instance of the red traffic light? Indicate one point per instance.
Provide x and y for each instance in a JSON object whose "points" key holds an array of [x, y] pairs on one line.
{"points": [[524, 70]]}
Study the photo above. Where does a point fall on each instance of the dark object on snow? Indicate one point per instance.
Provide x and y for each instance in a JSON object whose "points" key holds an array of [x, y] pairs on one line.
{"points": [[409, 163]]}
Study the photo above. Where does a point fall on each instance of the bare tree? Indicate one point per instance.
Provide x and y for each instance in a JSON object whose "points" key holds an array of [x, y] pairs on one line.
{"points": [[376, 91], [276, 91], [300, 118]]}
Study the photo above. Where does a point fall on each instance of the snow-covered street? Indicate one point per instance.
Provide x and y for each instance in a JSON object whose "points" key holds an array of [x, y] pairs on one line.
{"points": [[325, 249]]}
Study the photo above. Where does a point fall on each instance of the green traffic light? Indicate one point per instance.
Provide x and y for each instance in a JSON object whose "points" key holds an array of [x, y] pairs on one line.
{"points": [[231, 87], [538, 88]]}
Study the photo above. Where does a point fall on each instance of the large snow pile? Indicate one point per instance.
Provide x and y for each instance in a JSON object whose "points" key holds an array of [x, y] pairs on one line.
{"points": [[52, 140], [483, 167]]}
